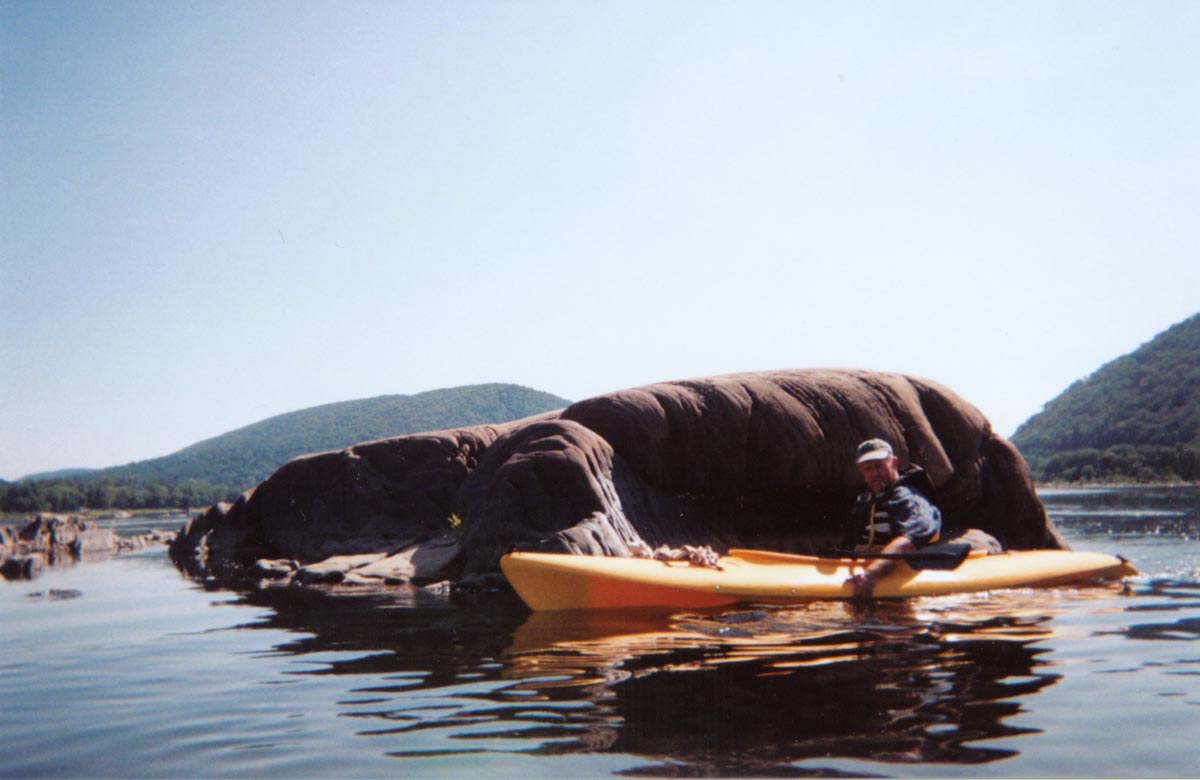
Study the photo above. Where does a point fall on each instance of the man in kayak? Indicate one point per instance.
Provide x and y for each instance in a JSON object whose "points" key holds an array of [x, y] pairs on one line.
{"points": [[895, 516]]}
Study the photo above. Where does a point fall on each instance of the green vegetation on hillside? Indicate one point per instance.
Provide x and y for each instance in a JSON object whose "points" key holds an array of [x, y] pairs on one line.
{"points": [[221, 468], [1136, 418], [69, 495]]}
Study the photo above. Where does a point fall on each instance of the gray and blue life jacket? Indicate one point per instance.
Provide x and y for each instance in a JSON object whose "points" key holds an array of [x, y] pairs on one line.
{"points": [[905, 508]]}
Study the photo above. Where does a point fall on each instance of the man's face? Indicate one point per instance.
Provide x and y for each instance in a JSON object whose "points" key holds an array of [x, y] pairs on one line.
{"points": [[878, 474]]}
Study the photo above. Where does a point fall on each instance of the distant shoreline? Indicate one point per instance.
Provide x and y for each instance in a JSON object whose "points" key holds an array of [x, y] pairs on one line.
{"points": [[1110, 485], [11, 518]]}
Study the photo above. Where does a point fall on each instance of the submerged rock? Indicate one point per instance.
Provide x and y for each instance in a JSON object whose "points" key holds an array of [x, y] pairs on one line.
{"points": [[751, 460]]}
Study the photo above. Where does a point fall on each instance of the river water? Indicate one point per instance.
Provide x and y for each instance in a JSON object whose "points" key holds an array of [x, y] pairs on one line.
{"points": [[126, 668]]}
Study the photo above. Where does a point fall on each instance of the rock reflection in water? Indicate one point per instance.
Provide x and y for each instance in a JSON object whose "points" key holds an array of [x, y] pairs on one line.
{"points": [[754, 691], [399, 631], [751, 691]]}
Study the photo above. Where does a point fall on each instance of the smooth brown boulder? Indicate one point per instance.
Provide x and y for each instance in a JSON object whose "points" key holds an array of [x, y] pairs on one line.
{"points": [[753, 460]]}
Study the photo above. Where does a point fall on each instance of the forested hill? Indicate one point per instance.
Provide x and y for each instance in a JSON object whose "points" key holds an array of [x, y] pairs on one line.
{"points": [[248, 455], [1135, 418], [223, 466]]}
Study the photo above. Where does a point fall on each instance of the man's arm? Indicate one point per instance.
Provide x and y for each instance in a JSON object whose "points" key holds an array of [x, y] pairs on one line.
{"points": [[914, 516], [916, 521], [864, 581]]}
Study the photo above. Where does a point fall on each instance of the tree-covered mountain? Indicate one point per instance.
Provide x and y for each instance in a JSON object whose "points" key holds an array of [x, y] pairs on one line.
{"points": [[248, 455], [232, 462], [1135, 418]]}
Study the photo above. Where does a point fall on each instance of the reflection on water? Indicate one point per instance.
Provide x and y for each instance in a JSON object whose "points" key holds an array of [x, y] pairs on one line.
{"points": [[1116, 512], [1158, 528], [746, 691], [1175, 597], [768, 690], [154, 675]]}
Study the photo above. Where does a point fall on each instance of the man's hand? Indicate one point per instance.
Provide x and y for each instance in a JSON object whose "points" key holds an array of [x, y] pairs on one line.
{"points": [[864, 582]]}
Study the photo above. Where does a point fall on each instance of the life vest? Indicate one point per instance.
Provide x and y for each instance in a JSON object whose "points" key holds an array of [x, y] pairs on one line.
{"points": [[875, 528]]}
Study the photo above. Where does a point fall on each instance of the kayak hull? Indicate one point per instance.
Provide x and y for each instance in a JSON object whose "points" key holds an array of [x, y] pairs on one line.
{"points": [[552, 581]]}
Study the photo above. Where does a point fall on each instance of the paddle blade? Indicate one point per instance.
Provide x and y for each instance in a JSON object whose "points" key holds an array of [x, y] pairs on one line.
{"points": [[942, 557], [939, 557]]}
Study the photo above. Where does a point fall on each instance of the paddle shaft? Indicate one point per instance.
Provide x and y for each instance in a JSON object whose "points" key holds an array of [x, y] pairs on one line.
{"points": [[947, 556], [941, 552], [942, 556]]}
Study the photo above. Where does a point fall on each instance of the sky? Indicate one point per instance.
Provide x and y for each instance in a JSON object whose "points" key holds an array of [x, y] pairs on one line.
{"points": [[212, 213]]}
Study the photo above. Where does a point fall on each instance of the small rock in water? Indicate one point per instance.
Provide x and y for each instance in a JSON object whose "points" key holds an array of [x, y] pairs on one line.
{"points": [[57, 594], [22, 568], [274, 569]]}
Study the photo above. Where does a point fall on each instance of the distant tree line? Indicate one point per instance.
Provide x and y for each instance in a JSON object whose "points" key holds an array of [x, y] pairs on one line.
{"points": [[71, 495], [1120, 463]]}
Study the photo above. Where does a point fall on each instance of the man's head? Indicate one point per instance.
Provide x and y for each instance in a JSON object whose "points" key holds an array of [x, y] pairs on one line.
{"points": [[878, 464]]}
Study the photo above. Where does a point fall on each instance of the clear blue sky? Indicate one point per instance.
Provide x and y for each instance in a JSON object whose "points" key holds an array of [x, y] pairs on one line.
{"points": [[215, 212]]}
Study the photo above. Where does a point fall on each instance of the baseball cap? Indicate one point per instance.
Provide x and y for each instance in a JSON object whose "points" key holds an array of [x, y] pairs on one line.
{"points": [[873, 449]]}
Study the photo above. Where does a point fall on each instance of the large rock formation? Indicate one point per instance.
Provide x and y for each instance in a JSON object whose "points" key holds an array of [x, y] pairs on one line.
{"points": [[752, 460]]}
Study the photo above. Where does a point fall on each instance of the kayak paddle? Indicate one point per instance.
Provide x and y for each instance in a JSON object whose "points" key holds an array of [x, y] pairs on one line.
{"points": [[945, 557]]}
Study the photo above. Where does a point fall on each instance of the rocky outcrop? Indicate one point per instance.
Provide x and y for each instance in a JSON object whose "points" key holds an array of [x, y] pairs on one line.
{"points": [[420, 565], [752, 460], [50, 540]]}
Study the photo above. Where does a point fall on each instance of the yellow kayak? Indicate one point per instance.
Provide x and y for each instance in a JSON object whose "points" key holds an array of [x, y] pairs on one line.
{"points": [[547, 581]]}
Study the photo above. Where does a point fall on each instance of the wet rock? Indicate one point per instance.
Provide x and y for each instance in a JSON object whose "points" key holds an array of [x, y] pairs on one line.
{"points": [[442, 588], [58, 533], [419, 563], [8, 538], [274, 569], [51, 540], [978, 540], [318, 576], [24, 567], [353, 578], [334, 569]]}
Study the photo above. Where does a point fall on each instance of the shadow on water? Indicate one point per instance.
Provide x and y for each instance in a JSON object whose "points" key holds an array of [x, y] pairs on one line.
{"points": [[739, 692], [751, 692], [403, 632]]}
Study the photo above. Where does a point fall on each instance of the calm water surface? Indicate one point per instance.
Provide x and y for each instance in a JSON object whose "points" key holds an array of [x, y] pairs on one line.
{"points": [[125, 668]]}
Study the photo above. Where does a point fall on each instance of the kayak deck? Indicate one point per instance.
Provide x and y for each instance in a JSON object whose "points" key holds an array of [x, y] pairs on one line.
{"points": [[551, 581]]}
